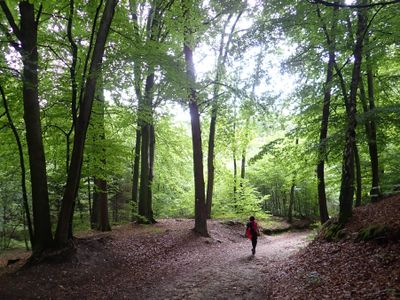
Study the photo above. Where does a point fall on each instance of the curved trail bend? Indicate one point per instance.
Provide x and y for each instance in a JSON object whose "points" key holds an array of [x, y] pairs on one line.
{"points": [[225, 271], [163, 261]]}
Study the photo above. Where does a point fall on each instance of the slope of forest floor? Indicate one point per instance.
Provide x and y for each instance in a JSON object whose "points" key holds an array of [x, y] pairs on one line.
{"points": [[348, 268], [168, 261]]}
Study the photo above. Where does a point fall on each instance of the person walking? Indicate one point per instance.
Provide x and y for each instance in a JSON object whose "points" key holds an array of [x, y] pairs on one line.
{"points": [[252, 233]]}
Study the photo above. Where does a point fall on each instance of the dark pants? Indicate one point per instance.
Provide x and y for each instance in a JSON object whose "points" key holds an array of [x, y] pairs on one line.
{"points": [[254, 242]]}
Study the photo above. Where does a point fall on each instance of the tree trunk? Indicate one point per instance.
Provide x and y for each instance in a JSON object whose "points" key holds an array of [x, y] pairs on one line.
{"points": [[135, 179], [200, 209], [243, 165], [144, 172], [222, 55], [152, 146], [234, 178], [331, 42], [375, 192], [138, 91], [145, 202], [234, 163], [37, 162], [210, 160], [74, 172], [103, 223], [347, 182], [358, 176], [153, 31], [74, 85], [291, 202]]}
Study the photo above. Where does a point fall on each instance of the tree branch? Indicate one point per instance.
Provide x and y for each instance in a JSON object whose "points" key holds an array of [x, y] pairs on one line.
{"points": [[10, 19], [10, 40], [38, 14], [331, 4]]}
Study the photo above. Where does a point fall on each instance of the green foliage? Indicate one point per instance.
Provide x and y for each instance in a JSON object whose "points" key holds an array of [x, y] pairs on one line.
{"points": [[279, 138]]}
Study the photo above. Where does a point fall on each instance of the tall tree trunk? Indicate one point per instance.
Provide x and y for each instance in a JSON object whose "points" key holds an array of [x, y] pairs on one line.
{"points": [[135, 179], [375, 192], [138, 91], [74, 172], [152, 146], [103, 223], [213, 125], [101, 212], [291, 202], [144, 172], [74, 85], [243, 165], [222, 56], [200, 205], [153, 31], [234, 178], [200, 210], [347, 181], [234, 161], [331, 42], [40, 200], [145, 209], [358, 176], [210, 159]]}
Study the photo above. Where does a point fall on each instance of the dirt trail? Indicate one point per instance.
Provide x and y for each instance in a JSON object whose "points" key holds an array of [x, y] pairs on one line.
{"points": [[163, 261], [227, 272]]}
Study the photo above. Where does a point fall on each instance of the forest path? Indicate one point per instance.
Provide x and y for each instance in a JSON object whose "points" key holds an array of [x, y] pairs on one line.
{"points": [[225, 271], [162, 261]]}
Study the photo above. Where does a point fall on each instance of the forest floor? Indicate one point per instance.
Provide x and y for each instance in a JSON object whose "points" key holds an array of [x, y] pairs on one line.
{"points": [[168, 261]]}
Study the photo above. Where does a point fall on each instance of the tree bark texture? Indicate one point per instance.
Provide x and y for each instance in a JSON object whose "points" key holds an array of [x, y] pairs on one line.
{"points": [[138, 91], [103, 223], [358, 176], [74, 172], [147, 127], [135, 179], [375, 192], [101, 212], [40, 200], [152, 147], [210, 160], [347, 181], [331, 43], [291, 201], [145, 202], [200, 205], [234, 166], [200, 209]]}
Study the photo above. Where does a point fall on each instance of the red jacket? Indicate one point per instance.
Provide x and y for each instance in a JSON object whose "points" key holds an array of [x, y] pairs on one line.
{"points": [[251, 230]]}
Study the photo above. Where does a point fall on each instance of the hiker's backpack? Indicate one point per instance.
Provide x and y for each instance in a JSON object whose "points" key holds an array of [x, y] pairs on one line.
{"points": [[251, 230]]}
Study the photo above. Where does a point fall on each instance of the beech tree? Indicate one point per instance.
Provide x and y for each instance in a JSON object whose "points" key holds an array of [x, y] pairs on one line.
{"points": [[330, 40], [26, 45], [74, 172], [200, 225], [223, 51], [27, 37]]}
